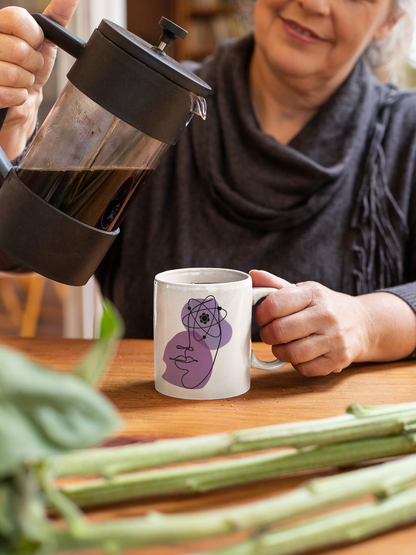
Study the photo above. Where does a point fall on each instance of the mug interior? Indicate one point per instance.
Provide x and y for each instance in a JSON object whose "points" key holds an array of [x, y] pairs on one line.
{"points": [[200, 276]]}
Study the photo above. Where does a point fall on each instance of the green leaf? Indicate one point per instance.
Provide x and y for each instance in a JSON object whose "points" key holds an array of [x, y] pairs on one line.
{"points": [[43, 412], [112, 328]]}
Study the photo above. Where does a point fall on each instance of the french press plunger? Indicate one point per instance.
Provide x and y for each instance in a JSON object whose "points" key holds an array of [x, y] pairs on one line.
{"points": [[124, 104]]}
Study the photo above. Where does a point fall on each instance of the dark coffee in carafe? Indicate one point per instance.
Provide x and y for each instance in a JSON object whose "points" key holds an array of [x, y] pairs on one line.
{"points": [[94, 197]]}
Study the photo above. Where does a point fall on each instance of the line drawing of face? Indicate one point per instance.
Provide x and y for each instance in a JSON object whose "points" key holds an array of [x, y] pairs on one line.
{"points": [[190, 355]]}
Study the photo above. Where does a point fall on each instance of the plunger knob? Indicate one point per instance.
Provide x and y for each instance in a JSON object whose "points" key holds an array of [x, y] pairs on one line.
{"points": [[171, 31]]}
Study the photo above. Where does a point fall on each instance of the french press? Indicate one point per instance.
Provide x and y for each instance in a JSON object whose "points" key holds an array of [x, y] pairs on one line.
{"points": [[124, 104]]}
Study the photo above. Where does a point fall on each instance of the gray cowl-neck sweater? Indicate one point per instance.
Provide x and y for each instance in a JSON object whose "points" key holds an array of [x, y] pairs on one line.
{"points": [[336, 205]]}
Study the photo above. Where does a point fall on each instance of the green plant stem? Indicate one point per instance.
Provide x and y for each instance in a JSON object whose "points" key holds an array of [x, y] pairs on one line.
{"points": [[155, 528], [363, 422], [211, 475], [346, 526]]}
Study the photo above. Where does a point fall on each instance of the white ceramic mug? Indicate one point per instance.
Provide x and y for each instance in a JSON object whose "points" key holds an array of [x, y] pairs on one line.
{"points": [[202, 333]]}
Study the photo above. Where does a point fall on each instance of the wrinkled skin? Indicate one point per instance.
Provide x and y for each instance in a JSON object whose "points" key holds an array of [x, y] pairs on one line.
{"points": [[320, 331]]}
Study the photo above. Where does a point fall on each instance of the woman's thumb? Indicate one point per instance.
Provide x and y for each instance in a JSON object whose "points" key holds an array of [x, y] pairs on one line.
{"points": [[61, 11], [261, 278]]}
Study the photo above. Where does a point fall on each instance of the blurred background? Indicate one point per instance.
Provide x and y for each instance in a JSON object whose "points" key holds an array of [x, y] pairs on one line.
{"points": [[35, 306]]}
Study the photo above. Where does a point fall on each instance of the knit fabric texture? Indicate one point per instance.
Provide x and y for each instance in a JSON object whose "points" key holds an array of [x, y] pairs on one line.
{"points": [[335, 205]]}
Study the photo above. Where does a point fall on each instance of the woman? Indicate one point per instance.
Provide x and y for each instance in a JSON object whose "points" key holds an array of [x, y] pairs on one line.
{"points": [[304, 167]]}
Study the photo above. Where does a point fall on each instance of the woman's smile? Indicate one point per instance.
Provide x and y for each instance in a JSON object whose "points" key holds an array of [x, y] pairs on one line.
{"points": [[299, 32], [314, 44]]}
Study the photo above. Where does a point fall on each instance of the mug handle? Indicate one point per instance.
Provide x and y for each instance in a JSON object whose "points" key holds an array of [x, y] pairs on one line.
{"points": [[260, 293]]}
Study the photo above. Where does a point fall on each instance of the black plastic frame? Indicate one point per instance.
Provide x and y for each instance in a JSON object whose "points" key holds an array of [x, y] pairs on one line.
{"points": [[130, 90], [46, 240]]}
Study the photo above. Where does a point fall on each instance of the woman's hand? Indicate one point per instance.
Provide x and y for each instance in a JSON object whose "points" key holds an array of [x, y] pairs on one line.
{"points": [[320, 331], [26, 61]]}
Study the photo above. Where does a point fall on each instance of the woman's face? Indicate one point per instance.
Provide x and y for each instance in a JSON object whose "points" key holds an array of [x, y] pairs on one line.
{"points": [[318, 39]]}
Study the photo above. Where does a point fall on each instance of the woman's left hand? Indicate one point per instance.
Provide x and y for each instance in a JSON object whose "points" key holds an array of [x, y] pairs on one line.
{"points": [[320, 331]]}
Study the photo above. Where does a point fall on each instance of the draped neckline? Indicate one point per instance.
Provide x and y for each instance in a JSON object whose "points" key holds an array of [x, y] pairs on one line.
{"points": [[258, 181]]}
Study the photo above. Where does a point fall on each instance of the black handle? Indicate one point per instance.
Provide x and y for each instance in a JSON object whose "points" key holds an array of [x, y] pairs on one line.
{"points": [[3, 114], [60, 36], [5, 164]]}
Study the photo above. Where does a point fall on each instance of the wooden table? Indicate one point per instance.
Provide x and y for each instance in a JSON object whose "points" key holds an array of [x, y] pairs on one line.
{"points": [[277, 397]]}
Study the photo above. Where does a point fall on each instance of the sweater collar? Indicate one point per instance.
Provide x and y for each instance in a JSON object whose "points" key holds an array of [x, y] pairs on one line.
{"points": [[255, 179]]}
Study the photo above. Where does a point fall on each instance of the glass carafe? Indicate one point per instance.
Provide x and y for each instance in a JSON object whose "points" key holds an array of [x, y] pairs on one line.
{"points": [[94, 179], [124, 104]]}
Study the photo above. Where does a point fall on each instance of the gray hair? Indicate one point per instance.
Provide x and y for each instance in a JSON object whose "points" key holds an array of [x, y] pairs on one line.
{"points": [[387, 57]]}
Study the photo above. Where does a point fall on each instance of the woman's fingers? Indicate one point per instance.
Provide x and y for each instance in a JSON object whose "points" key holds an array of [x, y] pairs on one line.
{"points": [[23, 54], [61, 11], [17, 22], [288, 328], [20, 38], [26, 63], [337, 352], [320, 366], [12, 75], [261, 278], [286, 301], [277, 304], [314, 328]]}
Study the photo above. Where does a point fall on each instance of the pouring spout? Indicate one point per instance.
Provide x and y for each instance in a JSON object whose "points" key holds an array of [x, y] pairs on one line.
{"points": [[198, 106]]}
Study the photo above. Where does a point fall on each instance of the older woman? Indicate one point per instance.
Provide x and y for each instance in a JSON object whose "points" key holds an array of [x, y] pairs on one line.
{"points": [[304, 167]]}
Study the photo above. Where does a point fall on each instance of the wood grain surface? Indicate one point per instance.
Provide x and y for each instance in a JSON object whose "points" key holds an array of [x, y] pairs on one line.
{"points": [[274, 397]]}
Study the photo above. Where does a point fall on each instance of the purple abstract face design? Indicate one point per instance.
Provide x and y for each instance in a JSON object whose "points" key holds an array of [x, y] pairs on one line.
{"points": [[190, 355]]}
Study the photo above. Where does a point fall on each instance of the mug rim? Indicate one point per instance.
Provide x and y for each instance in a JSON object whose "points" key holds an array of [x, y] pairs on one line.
{"points": [[165, 278]]}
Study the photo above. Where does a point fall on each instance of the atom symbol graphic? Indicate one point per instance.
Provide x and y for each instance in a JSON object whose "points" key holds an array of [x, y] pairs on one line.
{"points": [[204, 316]]}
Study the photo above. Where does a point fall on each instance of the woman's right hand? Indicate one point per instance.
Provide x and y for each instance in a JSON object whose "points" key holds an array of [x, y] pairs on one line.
{"points": [[26, 61]]}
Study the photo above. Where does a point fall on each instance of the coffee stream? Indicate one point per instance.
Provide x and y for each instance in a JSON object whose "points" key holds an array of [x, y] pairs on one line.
{"points": [[94, 197]]}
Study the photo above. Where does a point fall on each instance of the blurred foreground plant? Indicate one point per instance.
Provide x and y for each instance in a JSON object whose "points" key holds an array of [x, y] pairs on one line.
{"points": [[44, 413], [48, 421]]}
